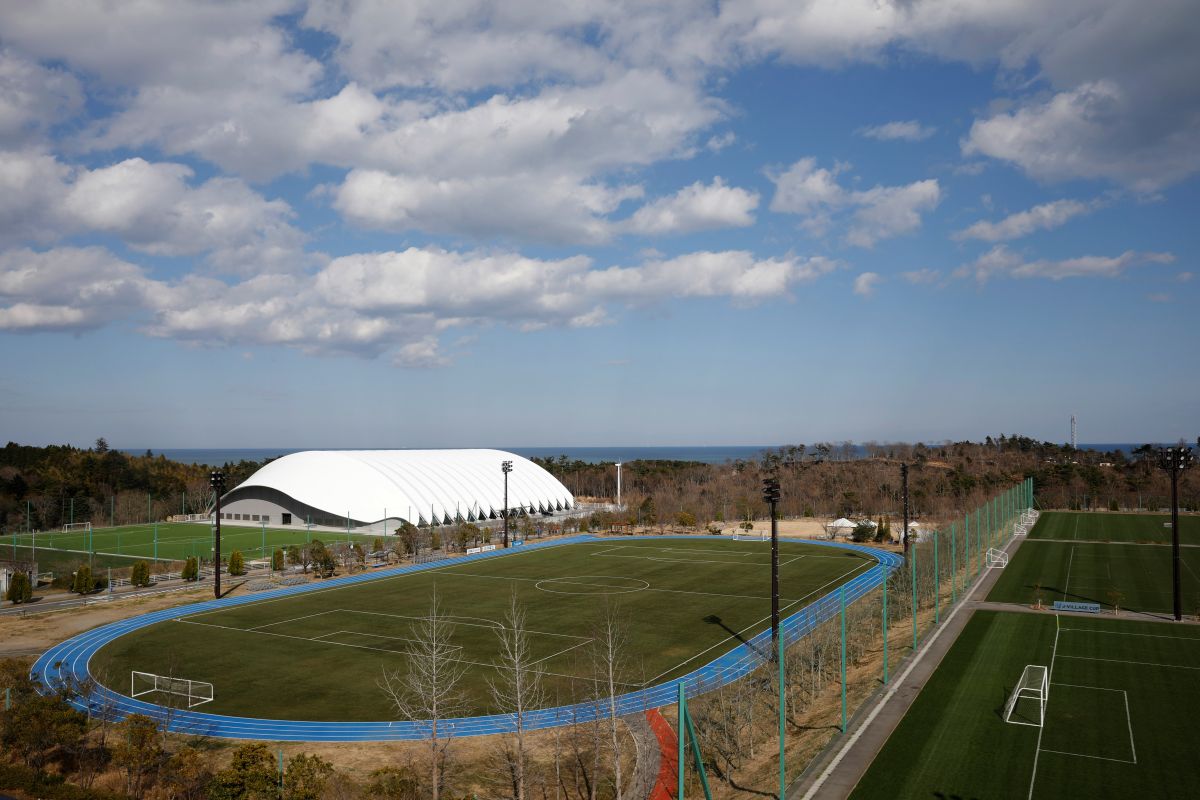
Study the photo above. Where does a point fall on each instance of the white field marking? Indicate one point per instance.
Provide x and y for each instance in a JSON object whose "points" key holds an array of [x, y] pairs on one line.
{"points": [[1115, 544], [1049, 679], [380, 649], [1076, 534], [651, 589], [1068, 583], [694, 560], [613, 589], [754, 624], [1140, 663], [487, 622], [1188, 568], [375, 636], [1085, 755], [790, 603], [1126, 633], [706, 551], [565, 650], [1128, 722], [285, 621]]}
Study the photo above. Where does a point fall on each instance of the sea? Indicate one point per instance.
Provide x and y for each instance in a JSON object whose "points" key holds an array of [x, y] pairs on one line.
{"points": [[717, 454]]}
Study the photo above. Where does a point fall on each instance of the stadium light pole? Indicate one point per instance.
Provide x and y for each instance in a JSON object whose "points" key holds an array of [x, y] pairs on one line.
{"points": [[771, 495], [216, 479], [904, 489], [1175, 460], [506, 467]]}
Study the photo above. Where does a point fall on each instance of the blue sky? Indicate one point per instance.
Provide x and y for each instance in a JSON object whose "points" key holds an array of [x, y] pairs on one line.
{"points": [[370, 224]]}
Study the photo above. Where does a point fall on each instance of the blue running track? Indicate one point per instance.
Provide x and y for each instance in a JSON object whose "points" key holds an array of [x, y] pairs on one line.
{"points": [[66, 665]]}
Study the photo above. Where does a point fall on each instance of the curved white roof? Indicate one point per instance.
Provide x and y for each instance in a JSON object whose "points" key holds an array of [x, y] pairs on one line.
{"points": [[424, 483]]}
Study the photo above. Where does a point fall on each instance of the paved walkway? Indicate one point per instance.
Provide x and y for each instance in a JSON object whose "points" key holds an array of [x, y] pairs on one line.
{"points": [[836, 772]]}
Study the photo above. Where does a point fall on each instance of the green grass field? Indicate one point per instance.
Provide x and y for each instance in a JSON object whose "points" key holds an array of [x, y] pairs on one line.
{"points": [[1088, 569], [168, 541], [1120, 720], [1110, 527], [318, 655]]}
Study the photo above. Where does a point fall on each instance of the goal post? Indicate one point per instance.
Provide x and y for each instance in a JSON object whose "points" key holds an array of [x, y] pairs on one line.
{"points": [[996, 559], [76, 527], [196, 692], [1034, 688]]}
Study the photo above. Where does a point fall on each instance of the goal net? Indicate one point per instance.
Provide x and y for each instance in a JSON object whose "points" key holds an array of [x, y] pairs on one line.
{"points": [[68, 527], [996, 558], [1027, 704], [196, 692]]}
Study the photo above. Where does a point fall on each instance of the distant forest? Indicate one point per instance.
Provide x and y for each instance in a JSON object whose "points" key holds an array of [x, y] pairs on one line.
{"points": [[60, 484]]}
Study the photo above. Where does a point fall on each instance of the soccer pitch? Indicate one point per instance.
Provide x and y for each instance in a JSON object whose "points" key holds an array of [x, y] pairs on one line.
{"points": [[318, 655], [1125, 571], [1110, 527], [166, 541], [1120, 718]]}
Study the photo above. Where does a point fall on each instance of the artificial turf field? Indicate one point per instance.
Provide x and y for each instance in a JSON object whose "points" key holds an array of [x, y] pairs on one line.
{"points": [[1056, 564], [1120, 720], [1110, 527], [166, 541], [318, 655]]}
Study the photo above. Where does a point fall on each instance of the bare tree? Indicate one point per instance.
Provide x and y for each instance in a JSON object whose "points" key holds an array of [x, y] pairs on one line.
{"points": [[517, 688], [610, 639], [427, 691]]}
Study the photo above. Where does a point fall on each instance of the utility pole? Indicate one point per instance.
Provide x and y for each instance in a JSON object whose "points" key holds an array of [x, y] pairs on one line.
{"points": [[618, 485], [771, 495], [904, 489], [506, 467], [1175, 460], [217, 480]]}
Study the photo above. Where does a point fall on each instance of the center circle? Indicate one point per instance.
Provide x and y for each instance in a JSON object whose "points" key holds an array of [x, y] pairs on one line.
{"points": [[592, 584]]}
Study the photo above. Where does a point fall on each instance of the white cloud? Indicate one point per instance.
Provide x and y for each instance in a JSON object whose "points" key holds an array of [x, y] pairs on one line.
{"points": [[864, 284], [1002, 262], [908, 131], [526, 206], [1046, 216], [887, 211], [151, 207], [1184, 277], [922, 276], [67, 289], [878, 213], [33, 97], [695, 208]]}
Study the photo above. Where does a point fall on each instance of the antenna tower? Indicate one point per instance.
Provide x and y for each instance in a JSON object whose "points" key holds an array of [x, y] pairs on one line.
{"points": [[1073, 447]]}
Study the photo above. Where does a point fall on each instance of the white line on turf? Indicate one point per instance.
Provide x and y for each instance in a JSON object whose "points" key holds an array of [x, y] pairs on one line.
{"points": [[1068, 583], [1127, 633], [1050, 679], [1085, 755], [1139, 663], [1129, 721], [285, 621]]}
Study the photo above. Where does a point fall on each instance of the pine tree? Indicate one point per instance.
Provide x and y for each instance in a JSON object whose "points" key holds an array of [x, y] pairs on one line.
{"points": [[19, 588], [277, 560], [236, 565], [140, 574], [191, 570], [83, 580]]}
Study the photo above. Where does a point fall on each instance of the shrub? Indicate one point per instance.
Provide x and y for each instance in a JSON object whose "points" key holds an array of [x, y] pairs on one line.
{"points": [[686, 519], [277, 560], [20, 588], [84, 582], [863, 532], [236, 565], [191, 570], [1113, 505], [139, 575]]}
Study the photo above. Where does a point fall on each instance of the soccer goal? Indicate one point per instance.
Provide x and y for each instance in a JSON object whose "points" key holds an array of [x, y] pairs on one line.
{"points": [[74, 527], [996, 559], [1034, 688], [196, 692]]}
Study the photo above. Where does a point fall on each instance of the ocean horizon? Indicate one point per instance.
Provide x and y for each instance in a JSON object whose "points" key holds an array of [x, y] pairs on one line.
{"points": [[710, 454]]}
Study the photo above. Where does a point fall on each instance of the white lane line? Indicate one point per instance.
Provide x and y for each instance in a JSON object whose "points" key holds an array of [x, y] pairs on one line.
{"points": [[1036, 752]]}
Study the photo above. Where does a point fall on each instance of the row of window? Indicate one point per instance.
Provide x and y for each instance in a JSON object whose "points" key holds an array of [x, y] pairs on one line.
{"points": [[248, 517]]}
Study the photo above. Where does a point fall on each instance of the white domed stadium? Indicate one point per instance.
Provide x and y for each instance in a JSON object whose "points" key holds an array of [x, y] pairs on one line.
{"points": [[356, 488]]}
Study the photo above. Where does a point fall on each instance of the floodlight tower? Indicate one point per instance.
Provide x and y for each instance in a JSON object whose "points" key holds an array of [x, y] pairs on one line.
{"points": [[1175, 460], [618, 485], [1073, 443], [506, 467], [216, 479], [771, 495]]}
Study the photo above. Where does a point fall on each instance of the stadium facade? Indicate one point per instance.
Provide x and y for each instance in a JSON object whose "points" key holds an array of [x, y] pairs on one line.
{"points": [[357, 488]]}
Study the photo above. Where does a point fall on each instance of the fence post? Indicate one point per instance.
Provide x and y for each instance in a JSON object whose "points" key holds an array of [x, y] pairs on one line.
{"points": [[885, 633], [783, 706], [937, 581], [682, 732], [842, 592], [914, 596], [953, 566]]}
